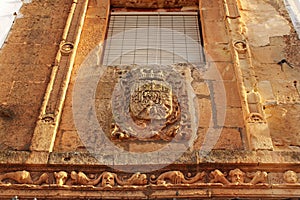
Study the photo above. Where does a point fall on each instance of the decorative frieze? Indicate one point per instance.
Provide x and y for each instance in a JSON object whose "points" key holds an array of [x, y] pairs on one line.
{"points": [[171, 178]]}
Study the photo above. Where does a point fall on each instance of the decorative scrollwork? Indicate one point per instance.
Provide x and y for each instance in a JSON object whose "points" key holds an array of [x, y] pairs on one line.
{"points": [[109, 179], [258, 177], [81, 178], [24, 177], [218, 177], [176, 177], [237, 177]]}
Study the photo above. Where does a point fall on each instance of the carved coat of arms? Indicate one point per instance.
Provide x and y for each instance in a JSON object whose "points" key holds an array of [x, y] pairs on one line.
{"points": [[151, 103]]}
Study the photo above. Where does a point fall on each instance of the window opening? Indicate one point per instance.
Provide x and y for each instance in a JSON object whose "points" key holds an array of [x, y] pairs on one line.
{"points": [[153, 38]]}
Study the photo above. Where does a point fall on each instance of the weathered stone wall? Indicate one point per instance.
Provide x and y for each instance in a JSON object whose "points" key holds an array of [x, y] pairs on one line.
{"points": [[26, 60], [93, 33], [274, 46], [254, 49], [216, 42]]}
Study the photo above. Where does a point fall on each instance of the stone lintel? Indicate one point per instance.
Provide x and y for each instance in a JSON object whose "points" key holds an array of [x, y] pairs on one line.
{"points": [[153, 3]]}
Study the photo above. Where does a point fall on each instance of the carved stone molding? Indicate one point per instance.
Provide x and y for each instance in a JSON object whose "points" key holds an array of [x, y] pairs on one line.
{"points": [[258, 134], [51, 109], [104, 179], [245, 183]]}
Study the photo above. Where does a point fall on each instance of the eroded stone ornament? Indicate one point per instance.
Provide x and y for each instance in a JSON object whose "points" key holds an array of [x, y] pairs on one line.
{"points": [[176, 177], [81, 178], [237, 176], [290, 177], [135, 179], [108, 179], [24, 177], [258, 177], [218, 177], [151, 103], [60, 178]]}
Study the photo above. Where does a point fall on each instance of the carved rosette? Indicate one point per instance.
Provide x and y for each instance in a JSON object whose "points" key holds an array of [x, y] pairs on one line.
{"points": [[151, 103]]}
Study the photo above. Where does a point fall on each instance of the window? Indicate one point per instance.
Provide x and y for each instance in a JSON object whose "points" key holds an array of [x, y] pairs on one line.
{"points": [[153, 38]]}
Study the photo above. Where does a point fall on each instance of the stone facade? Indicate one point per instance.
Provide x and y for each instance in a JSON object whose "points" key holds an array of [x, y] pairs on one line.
{"points": [[228, 130]]}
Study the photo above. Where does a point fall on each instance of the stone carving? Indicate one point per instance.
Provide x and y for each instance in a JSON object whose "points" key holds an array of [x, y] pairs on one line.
{"points": [[176, 177], [290, 177], [146, 105], [237, 176], [108, 179], [117, 133], [218, 177], [66, 48], [135, 179], [258, 177], [61, 177], [240, 46], [24, 177], [81, 179], [48, 118], [256, 118]]}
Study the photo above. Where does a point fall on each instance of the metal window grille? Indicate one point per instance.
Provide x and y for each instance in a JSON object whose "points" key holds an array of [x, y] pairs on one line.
{"points": [[153, 38]]}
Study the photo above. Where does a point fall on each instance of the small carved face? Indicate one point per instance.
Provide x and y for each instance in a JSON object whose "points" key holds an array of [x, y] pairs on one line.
{"points": [[290, 177], [61, 177], [237, 176], [108, 180]]}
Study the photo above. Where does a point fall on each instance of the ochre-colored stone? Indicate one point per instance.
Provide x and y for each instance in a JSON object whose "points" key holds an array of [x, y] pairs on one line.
{"points": [[242, 142]]}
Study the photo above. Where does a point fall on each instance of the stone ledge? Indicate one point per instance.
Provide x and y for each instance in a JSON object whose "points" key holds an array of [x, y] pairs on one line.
{"points": [[250, 157], [223, 157], [150, 192]]}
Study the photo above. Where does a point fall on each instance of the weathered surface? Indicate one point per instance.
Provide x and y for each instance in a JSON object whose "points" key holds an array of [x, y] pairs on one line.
{"points": [[26, 61], [273, 43], [251, 77]]}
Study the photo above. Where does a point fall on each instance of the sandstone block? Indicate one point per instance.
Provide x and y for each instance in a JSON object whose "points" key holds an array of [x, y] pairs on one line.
{"points": [[266, 92], [259, 135]]}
